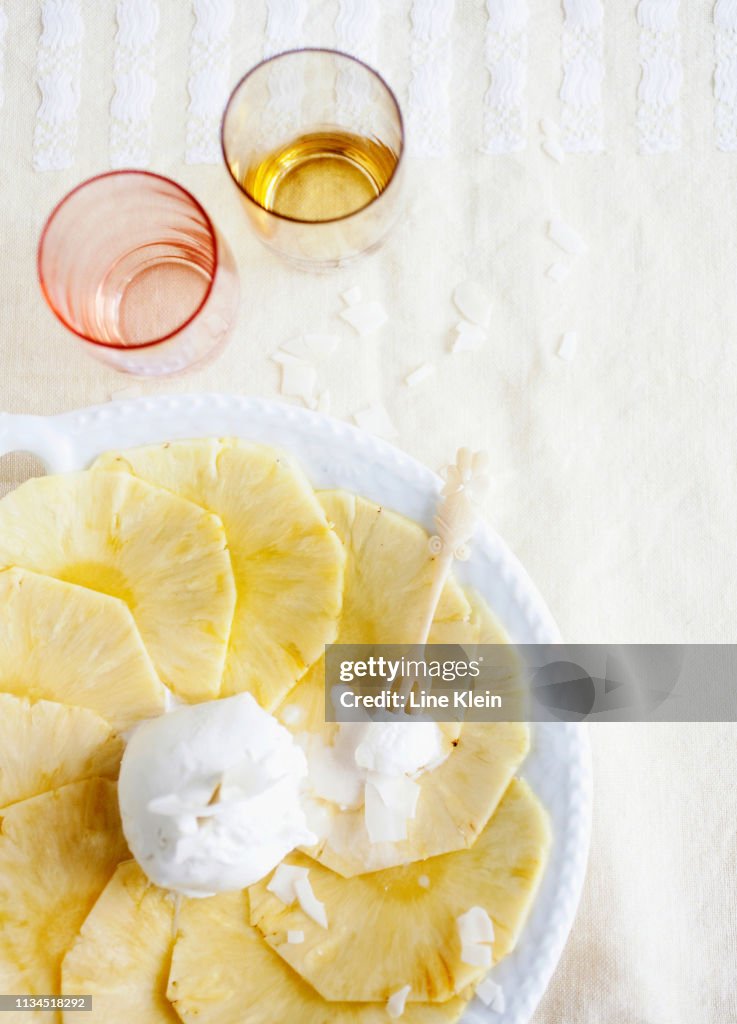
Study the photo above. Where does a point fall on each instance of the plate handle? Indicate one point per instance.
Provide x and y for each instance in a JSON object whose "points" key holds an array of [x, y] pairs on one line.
{"points": [[40, 436]]}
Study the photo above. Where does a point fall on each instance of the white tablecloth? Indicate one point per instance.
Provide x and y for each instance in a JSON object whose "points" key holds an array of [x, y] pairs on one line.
{"points": [[615, 475]]}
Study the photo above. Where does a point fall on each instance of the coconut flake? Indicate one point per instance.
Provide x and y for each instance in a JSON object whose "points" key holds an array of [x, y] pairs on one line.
{"points": [[292, 714], [291, 351], [333, 774], [295, 937], [567, 238], [473, 302], [491, 994], [283, 883], [558, 271], [309, 903], [476, 932], [476, 955], [318, 816], [424, 882], [171, 701], [395, 1003], [366, 318], [352, 296], [398, 792], [323, 401], [283, 357], [384, 824], [553, 149], [549, 127], [298, 380], [376, 420], [469, 338], [567, 346], [475, 926], [417, 376]]}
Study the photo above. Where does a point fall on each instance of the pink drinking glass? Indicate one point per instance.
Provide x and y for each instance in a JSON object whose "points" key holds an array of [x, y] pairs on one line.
{"points": [[132, 264]]}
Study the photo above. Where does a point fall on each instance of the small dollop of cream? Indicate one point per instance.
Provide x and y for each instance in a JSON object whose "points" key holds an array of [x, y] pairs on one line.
{"points": [[375, 765], [399, 748], [359, 751], [210, 796]]}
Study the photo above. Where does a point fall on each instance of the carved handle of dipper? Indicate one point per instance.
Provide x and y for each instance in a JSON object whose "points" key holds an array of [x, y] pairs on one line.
{"points": [[466, 483]]}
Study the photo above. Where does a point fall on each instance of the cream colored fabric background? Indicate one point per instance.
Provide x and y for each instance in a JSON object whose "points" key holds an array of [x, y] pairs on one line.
{"points": [[615, 475]]}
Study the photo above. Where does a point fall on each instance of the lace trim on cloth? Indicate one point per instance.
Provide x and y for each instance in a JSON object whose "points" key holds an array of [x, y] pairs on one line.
{"points": [[58, 67], [209, 79], [3, 36], [582, 52], [505, 101], [356, 33], [284, 31], [658, 111], [284, 23], [134, 78], [428, 111], [725, 74], [357, 29]]}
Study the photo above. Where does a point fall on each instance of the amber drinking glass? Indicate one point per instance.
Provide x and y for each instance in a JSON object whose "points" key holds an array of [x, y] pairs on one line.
{"points": [[314, 140]]}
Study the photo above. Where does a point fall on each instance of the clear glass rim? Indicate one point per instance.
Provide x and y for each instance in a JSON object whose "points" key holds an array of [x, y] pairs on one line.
{"points": [[129, 172], [332, 53]]}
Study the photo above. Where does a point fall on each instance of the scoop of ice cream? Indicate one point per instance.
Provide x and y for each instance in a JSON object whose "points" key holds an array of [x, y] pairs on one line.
{"points": [[210, 796]]}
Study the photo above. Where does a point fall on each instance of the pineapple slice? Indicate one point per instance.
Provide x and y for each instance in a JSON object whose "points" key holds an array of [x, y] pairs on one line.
{"points": [[456, 801], [486, 627], [166, 558], [57, 853], [388, 574], [507, 676], [44, 746], [288, 563], [123, 953], [59, 642], [223, 972], [386, 930]]}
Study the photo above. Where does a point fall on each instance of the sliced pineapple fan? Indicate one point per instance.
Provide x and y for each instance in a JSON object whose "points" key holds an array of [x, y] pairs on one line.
{"points": [[212, 568], [164, 557], [287, 562], [411, 913]]}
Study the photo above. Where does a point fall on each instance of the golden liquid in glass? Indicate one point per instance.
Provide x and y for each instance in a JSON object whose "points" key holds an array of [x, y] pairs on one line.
{"points": [[321, 176]]}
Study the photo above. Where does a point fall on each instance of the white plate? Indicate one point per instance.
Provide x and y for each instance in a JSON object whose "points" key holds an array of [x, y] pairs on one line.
{"points": [[335, 454]]}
